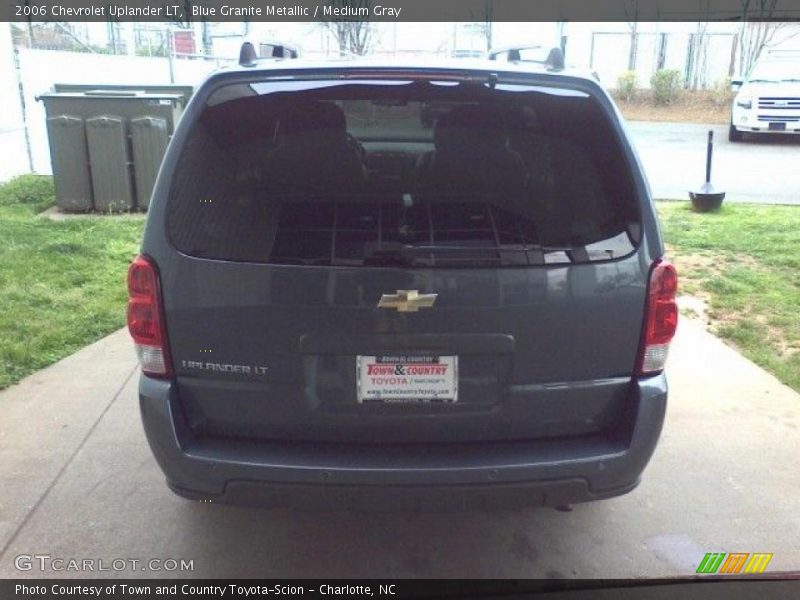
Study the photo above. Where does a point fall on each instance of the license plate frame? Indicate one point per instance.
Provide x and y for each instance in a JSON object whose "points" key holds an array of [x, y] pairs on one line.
{"points": [[420, 379]]}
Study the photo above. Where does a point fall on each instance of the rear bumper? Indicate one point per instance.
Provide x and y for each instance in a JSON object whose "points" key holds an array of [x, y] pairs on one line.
{"points": [[329, 475]]}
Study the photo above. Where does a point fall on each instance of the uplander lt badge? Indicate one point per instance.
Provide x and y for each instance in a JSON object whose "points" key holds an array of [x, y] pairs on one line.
{"points": [[215, 367]]}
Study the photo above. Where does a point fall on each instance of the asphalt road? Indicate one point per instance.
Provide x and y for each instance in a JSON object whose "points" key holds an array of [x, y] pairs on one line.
{"points": [[78, 481], [763, 168]]}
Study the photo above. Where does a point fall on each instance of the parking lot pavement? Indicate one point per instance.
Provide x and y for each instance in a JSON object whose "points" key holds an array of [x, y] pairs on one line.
{"points": [[79, 482], [760, 169]]}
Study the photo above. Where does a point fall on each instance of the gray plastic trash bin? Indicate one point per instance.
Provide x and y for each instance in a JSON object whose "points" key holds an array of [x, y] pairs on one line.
{"points": [[70, 159], [99, 136], [149, 139], [110, 162]]}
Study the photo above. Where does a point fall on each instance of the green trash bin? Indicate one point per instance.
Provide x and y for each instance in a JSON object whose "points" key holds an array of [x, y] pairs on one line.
{"points": [[106, 145]]}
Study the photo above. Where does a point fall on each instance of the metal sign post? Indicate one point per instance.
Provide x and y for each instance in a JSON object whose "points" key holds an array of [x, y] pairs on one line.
{"points": [[707, 198]]}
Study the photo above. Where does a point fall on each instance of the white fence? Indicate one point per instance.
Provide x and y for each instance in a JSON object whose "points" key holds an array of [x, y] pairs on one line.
{"points": [[12, 129]]}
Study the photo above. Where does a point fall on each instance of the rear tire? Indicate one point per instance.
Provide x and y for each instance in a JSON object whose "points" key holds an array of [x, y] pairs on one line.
{"points": [[734, 135]]}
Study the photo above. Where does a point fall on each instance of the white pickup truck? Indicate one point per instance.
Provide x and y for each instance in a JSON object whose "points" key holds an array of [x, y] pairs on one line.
{"points": [[768, 101]]}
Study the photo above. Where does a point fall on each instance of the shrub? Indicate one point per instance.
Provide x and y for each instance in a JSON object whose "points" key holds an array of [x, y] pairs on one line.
{"points": [[626, 84], [28, 189], [721, 92], [666, 85]]}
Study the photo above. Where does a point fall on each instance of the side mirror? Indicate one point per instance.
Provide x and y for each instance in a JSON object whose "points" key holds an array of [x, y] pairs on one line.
{"points": [[736, 84]]}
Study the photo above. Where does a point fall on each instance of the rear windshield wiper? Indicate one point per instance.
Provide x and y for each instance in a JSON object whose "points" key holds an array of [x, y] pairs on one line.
{"points": [[388, 258], [408, 255], [467, 249]]}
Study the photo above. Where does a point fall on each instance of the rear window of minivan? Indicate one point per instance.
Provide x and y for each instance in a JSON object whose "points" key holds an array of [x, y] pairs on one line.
{"points": [[402, 174]]}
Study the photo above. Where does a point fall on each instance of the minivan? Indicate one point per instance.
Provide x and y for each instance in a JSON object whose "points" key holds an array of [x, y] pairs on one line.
{"points": [[339, 303]]}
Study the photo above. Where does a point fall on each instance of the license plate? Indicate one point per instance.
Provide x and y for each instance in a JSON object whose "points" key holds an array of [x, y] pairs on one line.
{"points": [[777, 126], [404, 379]]}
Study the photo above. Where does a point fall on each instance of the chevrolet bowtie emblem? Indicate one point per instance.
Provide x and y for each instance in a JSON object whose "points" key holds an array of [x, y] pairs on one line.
{"points": [[407, 300]]}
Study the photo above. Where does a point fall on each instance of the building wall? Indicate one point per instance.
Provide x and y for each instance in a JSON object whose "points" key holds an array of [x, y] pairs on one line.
{"points": [[12, 129]]}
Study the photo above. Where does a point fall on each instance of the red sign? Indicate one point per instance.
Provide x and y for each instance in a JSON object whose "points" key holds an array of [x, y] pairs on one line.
{"points": [[183, 42]]}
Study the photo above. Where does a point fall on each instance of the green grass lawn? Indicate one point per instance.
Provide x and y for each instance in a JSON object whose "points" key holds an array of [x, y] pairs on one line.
{"points": [[62, 283], [745, 261]]}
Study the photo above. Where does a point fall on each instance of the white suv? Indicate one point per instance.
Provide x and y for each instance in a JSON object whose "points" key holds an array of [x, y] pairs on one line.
{"points": [[768, 101]]}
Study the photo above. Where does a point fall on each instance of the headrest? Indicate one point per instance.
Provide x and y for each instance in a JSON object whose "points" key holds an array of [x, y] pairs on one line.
{"points": [[314, 117], [469, 124]]}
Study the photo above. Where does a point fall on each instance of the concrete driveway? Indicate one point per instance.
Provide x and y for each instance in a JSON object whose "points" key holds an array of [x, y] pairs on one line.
{"points": [[79, 482], [760, 169]]}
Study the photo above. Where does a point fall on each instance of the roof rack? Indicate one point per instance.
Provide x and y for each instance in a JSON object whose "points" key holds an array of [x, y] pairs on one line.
{"points": [[248, 57], [553, 62], [555, 59], [512, 53]]}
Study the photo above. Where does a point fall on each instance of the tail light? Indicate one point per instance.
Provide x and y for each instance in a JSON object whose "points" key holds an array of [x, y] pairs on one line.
{"points": [[661, 317], [146, 318]]}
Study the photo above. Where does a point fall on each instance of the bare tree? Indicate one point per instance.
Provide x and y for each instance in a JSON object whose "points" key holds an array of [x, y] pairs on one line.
{"points": [[758, 31], [187, 12], [31, 38], [484, 21], [631, 8], [353, 34], [208, 44], [697, 71], [698, 58]]}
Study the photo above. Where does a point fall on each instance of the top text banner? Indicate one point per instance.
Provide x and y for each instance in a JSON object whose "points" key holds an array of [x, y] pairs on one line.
{"points": [[396, 10]]}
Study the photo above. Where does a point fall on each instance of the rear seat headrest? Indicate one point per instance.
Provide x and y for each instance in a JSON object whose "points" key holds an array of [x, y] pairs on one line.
{"points": [[316, 117], [471, 124]]}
